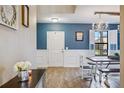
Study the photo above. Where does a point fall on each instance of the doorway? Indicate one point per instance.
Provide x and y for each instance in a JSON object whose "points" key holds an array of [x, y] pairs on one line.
{"points": [[55, 47]]}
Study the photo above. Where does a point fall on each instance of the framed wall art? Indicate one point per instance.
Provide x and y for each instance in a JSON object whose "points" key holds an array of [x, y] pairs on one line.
{"points": [[25, 15], [79, 36], [8, 16]]}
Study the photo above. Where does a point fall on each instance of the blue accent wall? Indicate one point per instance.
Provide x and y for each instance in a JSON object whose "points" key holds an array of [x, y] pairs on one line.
{"points": [[69, 30], [118, 40], [113, 26]]}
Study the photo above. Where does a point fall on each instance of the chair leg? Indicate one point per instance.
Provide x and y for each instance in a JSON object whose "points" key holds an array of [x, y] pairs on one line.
{"points": [[106, 76], [106, 79], [91, 81], [106, 82], [93, 72], [100, 77]]}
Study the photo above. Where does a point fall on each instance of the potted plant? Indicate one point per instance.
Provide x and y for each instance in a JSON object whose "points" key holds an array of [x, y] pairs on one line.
{"points": [[115, 56], [22, 68]]}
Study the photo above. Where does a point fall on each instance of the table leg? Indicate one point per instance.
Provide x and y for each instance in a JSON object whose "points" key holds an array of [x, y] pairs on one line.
{"points": [[96, 68], [95, 72], [100, 73]]}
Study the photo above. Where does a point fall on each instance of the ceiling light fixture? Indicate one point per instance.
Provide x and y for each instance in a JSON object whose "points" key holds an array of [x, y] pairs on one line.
{"points": [[54, 20], [100, 25]]}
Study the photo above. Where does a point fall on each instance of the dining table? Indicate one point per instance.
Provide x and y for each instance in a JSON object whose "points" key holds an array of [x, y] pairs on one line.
{"points": [[101, 60]]}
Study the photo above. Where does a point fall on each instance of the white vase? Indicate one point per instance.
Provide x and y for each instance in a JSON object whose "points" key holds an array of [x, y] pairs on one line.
{"points": [[23, 75]]}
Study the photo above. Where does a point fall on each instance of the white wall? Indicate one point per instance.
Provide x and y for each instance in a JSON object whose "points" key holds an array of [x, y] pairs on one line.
{"points": [[17, 45]]}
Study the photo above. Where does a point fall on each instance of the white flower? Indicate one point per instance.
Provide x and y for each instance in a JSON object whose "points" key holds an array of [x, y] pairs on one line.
{"points": [[22, 65]]}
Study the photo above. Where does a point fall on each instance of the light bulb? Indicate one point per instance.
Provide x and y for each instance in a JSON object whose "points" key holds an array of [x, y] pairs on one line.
{"points": [[54, 20]]}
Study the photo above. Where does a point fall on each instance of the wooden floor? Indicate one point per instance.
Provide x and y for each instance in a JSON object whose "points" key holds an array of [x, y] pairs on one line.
{"points": [[60, 77]]}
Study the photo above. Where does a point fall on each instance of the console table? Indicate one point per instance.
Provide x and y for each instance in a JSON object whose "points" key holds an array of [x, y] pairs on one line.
{"points": [[35, 80]]}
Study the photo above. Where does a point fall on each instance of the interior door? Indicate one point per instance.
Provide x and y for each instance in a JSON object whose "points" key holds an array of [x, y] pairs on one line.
{"points": [[55, 47]]}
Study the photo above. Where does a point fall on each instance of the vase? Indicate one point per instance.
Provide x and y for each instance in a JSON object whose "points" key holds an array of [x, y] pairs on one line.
{"points": [[23, 75]]}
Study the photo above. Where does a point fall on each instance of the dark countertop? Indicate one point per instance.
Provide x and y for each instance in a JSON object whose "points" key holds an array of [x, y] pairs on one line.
{"points": [[31, 83]]}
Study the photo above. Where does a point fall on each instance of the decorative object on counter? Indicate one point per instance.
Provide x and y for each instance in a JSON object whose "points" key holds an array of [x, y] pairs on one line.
{"points": [[25, 15], [22, 68], [8, 15], [30, 72]]}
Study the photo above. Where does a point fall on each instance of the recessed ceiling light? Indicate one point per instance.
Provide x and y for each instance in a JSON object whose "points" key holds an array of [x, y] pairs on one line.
{"points": [[54, 20]]}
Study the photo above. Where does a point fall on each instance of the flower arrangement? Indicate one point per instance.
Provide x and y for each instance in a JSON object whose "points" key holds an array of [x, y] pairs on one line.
{"points": [[22, 66]]}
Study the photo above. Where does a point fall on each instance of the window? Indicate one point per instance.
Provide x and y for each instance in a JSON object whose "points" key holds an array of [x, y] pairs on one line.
{"points": [[101, 43]]}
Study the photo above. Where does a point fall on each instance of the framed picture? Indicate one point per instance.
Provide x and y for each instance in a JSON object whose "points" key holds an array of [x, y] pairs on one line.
{"points": [[79, 36], [25, 15], [9, 16]]}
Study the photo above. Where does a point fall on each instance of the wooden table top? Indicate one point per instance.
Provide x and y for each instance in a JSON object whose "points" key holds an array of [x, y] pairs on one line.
{"points": [[31, 83]]}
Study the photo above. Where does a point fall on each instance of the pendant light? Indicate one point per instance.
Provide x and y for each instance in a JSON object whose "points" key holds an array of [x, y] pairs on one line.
{"points": [[100, 25]]}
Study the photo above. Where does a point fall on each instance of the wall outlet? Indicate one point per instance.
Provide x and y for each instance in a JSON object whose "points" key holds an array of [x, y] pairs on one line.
{"points": [[66, 48]]}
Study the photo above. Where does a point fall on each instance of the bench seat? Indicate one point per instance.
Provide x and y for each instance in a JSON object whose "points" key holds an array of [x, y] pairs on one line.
{"points": [[98, 63], [111, 70], [107, 71]]}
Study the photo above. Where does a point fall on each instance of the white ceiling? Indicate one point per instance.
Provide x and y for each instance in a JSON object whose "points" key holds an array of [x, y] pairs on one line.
{"points": [[77, 14]]}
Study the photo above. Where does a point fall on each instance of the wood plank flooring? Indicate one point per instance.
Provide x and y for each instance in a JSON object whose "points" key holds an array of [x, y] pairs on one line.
{"points": [[62, 77]]}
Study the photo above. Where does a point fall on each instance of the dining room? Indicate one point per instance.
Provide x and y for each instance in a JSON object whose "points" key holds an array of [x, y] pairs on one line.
{"points": [[96, 37], [65, 46]]}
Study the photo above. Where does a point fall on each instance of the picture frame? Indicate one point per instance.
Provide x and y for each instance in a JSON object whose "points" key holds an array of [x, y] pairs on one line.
{"points": [[79, 36], [9, 19], [25, 15]]}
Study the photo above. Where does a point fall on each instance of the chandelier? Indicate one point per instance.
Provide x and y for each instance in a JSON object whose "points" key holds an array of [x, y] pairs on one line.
{"points": [[100, 25]]}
